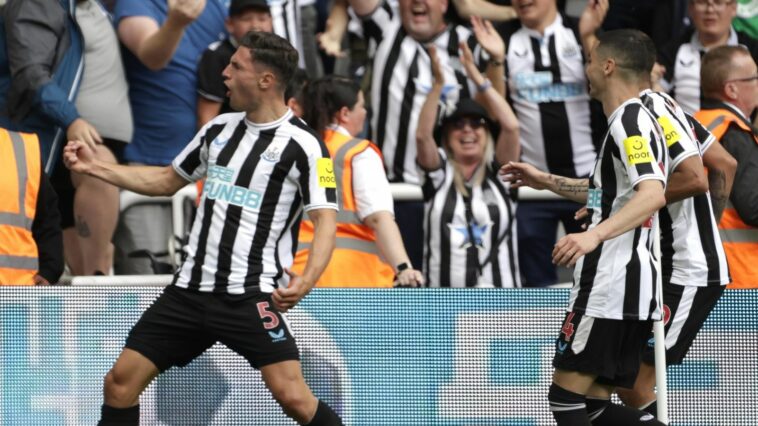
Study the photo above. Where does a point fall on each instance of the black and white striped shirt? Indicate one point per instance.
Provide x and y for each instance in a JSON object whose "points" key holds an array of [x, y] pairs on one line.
{"points": [[618, 279], [682, 58], [285, 16], [548, 90], [691, 249], [469, 241], [401, 80], [259, 179]]}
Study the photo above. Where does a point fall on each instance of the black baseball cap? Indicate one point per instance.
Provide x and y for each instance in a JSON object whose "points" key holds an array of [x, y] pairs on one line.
{"points": [[468, 107], [239, 6]]}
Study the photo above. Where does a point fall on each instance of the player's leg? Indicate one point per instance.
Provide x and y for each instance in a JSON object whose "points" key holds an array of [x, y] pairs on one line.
{"points": [[632, 340], [642, 395], [123, 385], [567, 397], [169, 333], [252, 328], [287, 385]]}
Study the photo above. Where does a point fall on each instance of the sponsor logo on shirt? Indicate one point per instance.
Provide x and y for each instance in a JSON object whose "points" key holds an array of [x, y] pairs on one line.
{"points": [[219, 186], [325, 173], [538, 87], [672, 136], [637, 150]]}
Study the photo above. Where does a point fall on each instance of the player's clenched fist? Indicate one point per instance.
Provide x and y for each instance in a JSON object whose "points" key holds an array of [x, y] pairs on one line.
{"points": [[78, 156], [570, 248]]}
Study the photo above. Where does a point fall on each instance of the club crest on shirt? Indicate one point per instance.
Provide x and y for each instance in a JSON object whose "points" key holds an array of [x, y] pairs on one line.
{"points": [[569, 51], [271, 154]]}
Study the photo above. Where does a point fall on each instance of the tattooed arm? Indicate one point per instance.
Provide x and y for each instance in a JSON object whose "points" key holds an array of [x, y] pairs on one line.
{"points": [[523, 174], [721, 170]]}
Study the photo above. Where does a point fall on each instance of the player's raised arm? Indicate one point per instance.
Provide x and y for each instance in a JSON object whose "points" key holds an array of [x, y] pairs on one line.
{"points": [[147, 180]]}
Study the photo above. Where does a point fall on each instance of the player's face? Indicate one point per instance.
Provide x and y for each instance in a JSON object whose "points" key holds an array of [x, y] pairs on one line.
{"points": [[531, 13], [423, 19], [242, 79], [249, 20], [594, 72], [467, 138], [357, 116], [713, 18]]}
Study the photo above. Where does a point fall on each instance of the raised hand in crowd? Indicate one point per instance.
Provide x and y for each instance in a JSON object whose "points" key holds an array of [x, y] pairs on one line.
{"points": [[330, 41], [184, 12], [489, 39], [591, 20]]}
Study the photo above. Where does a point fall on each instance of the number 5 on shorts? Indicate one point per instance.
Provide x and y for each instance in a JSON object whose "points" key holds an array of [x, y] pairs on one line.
{"points": [[266, 314]]}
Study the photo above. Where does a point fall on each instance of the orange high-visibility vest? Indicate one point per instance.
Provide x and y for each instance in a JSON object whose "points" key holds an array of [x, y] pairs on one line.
{"points": [[740, 239], [355, 261], [20, 174]]}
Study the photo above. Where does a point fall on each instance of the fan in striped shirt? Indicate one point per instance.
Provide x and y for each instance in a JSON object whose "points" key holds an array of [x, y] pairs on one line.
{"points": [[613, 301], [263, 167], [402, 78]]}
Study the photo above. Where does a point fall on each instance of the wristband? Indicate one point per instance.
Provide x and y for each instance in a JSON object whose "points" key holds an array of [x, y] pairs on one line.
{"points": [[496, 63], [484, 86]]}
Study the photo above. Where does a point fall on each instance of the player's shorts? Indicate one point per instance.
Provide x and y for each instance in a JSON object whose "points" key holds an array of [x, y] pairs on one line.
{"points": [[609, 349], [181, 324], [685, 309]]}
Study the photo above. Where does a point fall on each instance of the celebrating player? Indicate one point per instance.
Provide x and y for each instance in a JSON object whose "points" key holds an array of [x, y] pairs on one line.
{"points": [[262, 168], [613, 302]]}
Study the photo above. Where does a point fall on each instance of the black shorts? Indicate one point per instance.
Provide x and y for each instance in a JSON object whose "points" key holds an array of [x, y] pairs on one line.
{"points": [[609, 349], [181, 324], [61, 182], [685, 309]]}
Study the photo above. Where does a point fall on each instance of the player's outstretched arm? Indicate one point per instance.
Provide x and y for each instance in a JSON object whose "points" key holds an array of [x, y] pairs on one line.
{"points": [[324, 232], [648, 199], [523, 174], [147, 180]]}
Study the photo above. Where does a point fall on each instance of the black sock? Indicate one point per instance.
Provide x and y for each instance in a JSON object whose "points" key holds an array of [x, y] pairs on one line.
{"points": [[603, 413], [325, 416], [568, 407], [119, 416], [651, 408]]}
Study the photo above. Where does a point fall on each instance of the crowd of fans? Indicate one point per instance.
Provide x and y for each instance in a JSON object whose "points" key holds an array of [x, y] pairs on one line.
{"points": [[440, 93]]}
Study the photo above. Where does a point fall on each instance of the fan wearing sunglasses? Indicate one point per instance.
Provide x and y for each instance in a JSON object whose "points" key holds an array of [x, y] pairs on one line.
{"points": [[469, 214]]}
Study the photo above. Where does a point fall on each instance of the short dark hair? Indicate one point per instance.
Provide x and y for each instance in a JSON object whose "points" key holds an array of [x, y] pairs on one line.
{"points": [[325, 97], [274, 52], [716, 67], [296, 85], [633, 51]]}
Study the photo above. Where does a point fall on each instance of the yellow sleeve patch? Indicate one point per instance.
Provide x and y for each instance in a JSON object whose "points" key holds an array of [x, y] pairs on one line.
{"points": [[325, 173], [672, 136], [637, 150]]}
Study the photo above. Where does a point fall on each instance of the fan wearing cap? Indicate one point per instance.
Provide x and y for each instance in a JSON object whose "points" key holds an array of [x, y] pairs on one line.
{"points": [[469, 215], [244, 16]]}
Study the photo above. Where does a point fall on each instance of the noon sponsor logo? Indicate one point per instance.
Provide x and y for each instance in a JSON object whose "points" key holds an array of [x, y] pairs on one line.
{"points": [[637, 150], [325, 173]]}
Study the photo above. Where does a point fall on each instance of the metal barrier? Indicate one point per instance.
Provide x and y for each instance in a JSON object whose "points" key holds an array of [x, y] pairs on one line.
{"points": [[400, 192]]}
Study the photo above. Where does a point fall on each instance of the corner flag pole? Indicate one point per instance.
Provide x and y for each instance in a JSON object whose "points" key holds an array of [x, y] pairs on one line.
{"points": [[658, 331]]}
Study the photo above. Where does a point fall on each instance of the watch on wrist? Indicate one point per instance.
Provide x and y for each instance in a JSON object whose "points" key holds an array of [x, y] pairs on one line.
{"points": [[402, 267]]}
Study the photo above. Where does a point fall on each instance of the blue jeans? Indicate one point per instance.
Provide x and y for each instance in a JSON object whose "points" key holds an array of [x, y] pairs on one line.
{"points": [[537, 223]]}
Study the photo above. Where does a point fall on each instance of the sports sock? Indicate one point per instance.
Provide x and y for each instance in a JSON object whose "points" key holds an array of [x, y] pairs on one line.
{"points": [[651, 407], [119, 416], [325, 416], [603, 413], [568, 408]]}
